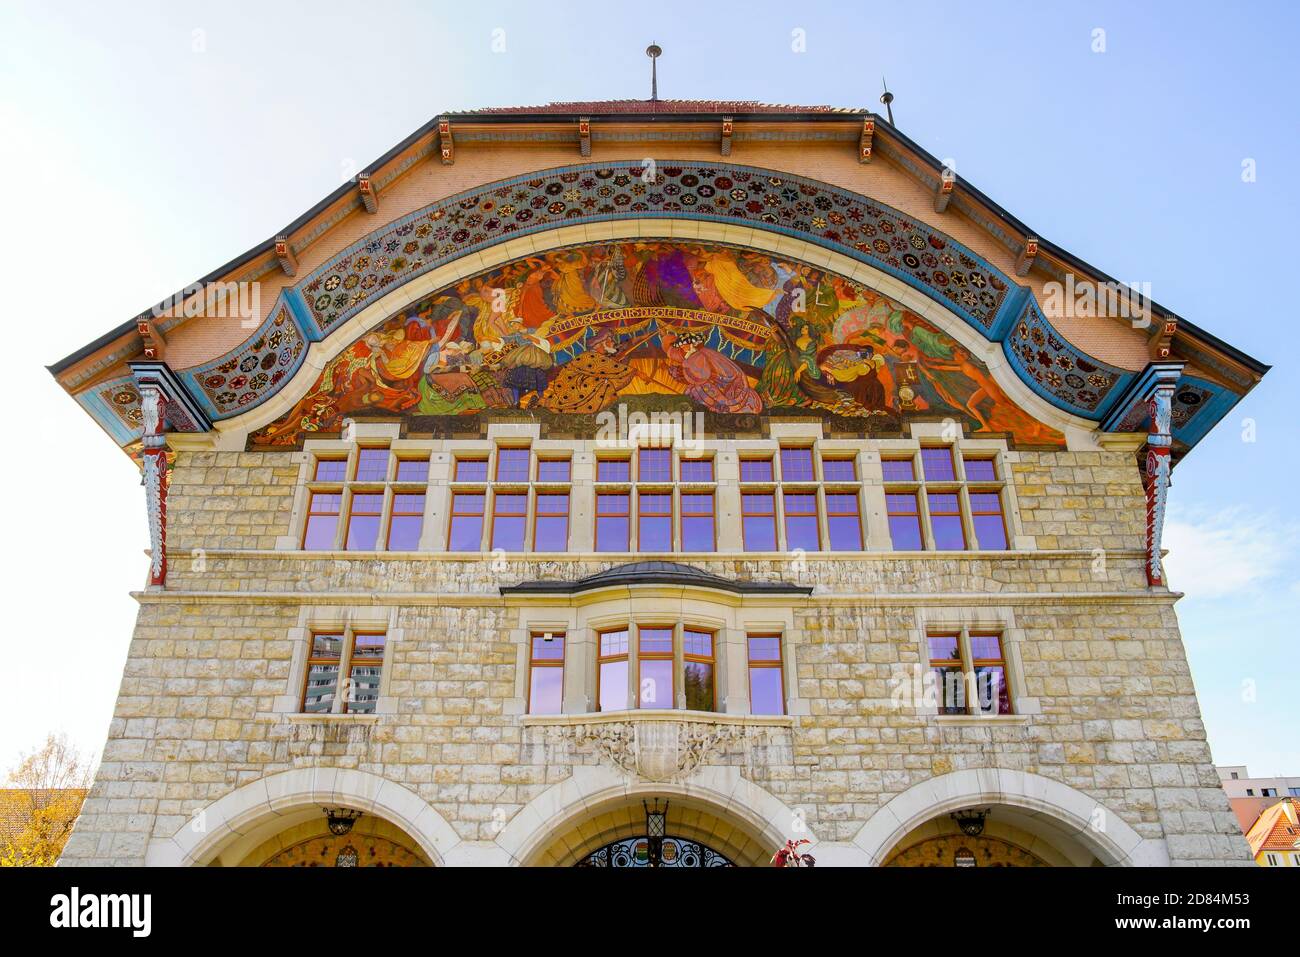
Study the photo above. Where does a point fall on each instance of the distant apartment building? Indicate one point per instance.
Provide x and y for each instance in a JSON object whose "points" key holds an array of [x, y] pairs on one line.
{"points": [[1250, 796]]}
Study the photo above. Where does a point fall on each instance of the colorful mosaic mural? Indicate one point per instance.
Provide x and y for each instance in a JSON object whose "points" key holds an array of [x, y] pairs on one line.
{"points": [[734, 331]]}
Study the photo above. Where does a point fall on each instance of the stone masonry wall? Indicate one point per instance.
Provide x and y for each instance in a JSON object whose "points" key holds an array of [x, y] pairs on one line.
{"points": [[1116, 713]]}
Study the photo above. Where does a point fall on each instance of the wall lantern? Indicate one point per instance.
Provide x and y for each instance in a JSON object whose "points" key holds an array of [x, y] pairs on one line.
{"points": [[971, 821], [656, 826], [340, 819]]}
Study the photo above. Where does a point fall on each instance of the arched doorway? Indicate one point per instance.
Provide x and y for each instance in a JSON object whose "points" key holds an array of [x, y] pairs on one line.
{"points": [[371, 842], [1029, 813], [677, 832]]}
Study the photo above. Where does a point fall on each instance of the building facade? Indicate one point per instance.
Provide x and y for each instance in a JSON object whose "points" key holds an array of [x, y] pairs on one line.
{"points": [[653, 482]]}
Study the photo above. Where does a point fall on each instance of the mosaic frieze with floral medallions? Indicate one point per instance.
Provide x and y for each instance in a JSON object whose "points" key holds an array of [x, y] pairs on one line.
{"points": [[257, 369], [793, 205], [1060, 370]]}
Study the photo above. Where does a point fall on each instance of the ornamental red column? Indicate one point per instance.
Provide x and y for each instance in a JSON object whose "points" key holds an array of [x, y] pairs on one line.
{"points": [[154, 406]]}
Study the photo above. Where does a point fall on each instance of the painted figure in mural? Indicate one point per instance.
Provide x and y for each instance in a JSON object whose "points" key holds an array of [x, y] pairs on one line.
{"points": [[590, 382], [711, 379], [854, 369], [778, 335]]}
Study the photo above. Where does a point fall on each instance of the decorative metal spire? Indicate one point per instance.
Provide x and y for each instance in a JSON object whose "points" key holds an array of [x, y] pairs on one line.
{"points": [[653, 51], [887, 98]]}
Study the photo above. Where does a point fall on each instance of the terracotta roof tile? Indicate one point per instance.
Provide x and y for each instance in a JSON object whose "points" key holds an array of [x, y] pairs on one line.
{"points": [[1276, 830]]}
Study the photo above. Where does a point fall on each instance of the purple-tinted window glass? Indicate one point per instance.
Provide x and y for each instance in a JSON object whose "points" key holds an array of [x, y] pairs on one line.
{"points": [[986, 517], [509, 517], [363, 521], [937, 465], [654, 522], [372, 465], [843, 523], [945, 519], [553, 470], [513, 465], [466, 533], [697, 470], [766, 686], [406, 523], [612, 522], [654, 465], [552, 528], [904, 521], [756, 470], [412, 470], [898, 470], [614, 470], [697, 522], [839, 470], [796, 465], [758, 522], [322, 521], [546, 678], [330, 470], [980, 470], [471, 470], [801, 522]]}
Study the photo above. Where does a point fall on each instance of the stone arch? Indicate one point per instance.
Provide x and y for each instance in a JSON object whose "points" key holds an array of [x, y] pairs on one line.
{"points": [[249, 814], [763, 822], [320, 353], [1113, 841]]}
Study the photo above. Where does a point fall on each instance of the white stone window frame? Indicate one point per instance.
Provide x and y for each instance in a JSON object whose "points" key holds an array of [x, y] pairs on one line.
{"points": [[348, 620], [935, 435], [730, 622], [360, 436], [984, 619]]}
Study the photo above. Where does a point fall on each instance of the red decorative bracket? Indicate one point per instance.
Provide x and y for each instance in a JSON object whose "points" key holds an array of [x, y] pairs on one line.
{"points": [[943, 192], [865, 144], [1025, 261], [369, 194], [728, 128], [445, 144], [284, 253], [584, 135]]}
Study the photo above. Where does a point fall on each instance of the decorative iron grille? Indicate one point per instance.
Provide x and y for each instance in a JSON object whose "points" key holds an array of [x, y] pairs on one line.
{"points": [[635, 852]]}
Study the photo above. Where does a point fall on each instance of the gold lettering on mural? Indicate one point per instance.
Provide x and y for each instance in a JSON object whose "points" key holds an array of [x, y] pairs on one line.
{"points": [[667, 315]]}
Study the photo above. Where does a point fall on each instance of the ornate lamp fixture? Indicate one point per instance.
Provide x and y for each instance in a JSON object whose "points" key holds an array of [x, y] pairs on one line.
{"points": [[340, 820], [971, 820], [656, 827]]}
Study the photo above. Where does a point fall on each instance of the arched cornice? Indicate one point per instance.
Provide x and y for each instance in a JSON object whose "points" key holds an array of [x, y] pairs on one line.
{"points": [[1097, 827], [591, 788], [278, 795], [319, 354], [469, 226]]}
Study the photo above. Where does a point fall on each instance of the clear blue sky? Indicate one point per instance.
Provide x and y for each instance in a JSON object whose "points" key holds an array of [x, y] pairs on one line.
{"points": [[141, 149]]}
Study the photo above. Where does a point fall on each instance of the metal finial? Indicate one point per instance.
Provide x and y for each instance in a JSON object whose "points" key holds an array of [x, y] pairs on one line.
{"points": [[653, 51], [887, 98]]}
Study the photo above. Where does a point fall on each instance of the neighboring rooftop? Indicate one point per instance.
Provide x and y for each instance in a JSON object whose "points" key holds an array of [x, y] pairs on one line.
{"points": [[1278, 828]]}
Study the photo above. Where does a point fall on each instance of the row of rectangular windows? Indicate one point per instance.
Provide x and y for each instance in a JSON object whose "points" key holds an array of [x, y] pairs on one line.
{"points": [[940, 509], [969, 670]]}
